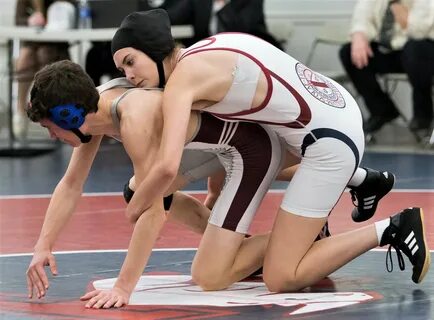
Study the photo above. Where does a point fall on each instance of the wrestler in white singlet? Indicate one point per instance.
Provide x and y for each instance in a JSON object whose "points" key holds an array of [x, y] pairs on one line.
{"points": [[317, 117]]}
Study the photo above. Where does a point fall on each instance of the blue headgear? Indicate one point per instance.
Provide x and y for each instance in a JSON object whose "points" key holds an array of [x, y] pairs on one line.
{"points": [[67, 116], [70, 117]]}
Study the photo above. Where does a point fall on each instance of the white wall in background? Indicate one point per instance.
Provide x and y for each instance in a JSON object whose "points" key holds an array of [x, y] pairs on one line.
{"points": [[7, 17], [7, 12]]}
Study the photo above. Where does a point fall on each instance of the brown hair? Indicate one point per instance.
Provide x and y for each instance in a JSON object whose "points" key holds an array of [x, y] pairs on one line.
{"points": [[59, 83]]}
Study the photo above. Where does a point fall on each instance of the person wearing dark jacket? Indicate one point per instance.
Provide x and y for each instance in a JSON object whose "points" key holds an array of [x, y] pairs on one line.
{"points": [[209, 17]]}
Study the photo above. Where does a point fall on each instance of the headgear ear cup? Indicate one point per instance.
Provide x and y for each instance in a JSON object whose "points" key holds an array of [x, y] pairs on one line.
{"points": [[70, 117], [67, 116]]}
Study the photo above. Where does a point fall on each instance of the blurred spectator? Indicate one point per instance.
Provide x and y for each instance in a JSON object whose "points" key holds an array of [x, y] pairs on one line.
{"points": [[392, 37], [106, 14], [35, 55], [209, 17], [99, 62]]}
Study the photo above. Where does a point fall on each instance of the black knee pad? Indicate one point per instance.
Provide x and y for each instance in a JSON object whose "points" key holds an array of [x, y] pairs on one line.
{"points": [[128, 193], [168, 202]]}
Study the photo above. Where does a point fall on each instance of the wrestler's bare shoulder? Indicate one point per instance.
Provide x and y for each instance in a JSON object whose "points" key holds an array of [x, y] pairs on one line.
{"points": [[219, 61], [142, 101], [142, 108], [208, 74]]}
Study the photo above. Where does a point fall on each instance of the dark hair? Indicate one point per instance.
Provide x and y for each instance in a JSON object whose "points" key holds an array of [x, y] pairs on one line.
{"points": [[60, 83]]}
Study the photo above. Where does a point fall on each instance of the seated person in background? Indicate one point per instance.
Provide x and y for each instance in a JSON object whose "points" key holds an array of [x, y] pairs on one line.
{"points": [[209, 17], [32, 56], [392, 37]]}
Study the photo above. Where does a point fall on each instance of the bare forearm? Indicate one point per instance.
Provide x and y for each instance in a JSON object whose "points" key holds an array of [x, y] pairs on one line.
{"points": [[152, 187], [144, 236], [60, 209]]}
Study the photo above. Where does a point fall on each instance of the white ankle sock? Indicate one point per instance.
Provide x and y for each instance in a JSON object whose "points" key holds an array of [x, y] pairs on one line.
{"points": [[380, 226], [358, 177]]}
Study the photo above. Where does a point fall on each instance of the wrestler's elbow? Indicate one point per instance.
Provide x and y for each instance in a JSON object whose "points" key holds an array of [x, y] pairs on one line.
{"points": [[167, 172], [132, 218]]}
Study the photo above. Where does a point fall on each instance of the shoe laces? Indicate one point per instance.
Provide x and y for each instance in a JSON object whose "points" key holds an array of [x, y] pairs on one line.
{"points": [[401, 262], [354, 197]]}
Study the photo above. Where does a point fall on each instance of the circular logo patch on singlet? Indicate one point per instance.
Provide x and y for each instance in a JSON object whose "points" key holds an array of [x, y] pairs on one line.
{"points": [[320, 87]]}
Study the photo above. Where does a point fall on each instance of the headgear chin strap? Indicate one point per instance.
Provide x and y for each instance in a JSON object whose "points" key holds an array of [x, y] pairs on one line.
{"points": [[70, 117], [161, 75], [83, 138]]}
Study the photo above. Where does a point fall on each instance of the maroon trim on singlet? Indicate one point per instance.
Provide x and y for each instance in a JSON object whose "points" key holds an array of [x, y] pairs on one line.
{"points": [[253, 143], [264, 70], [305, 114], [210, 40]]}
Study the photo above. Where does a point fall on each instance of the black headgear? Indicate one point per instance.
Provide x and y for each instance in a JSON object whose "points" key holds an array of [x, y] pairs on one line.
{"points": [[149, 32]]}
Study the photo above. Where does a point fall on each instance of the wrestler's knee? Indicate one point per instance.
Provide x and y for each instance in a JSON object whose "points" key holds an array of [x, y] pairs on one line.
{"points": [[209, 280], [280, 280]]}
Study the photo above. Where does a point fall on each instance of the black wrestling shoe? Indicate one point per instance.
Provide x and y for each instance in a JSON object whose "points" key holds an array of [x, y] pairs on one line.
{"points": [[406, 234], [375, 186]]}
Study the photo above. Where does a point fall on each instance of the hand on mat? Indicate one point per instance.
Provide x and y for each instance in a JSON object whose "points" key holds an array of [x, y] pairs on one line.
{"points": [[115, 297], [36, 276]]}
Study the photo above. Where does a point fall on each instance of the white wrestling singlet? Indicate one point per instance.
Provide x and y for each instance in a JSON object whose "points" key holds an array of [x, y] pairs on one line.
{"points": [[319, 120]]}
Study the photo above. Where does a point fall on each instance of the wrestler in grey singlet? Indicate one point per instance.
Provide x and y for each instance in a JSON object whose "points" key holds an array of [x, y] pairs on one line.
{"points": [[195, 164], [251, 155]]}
